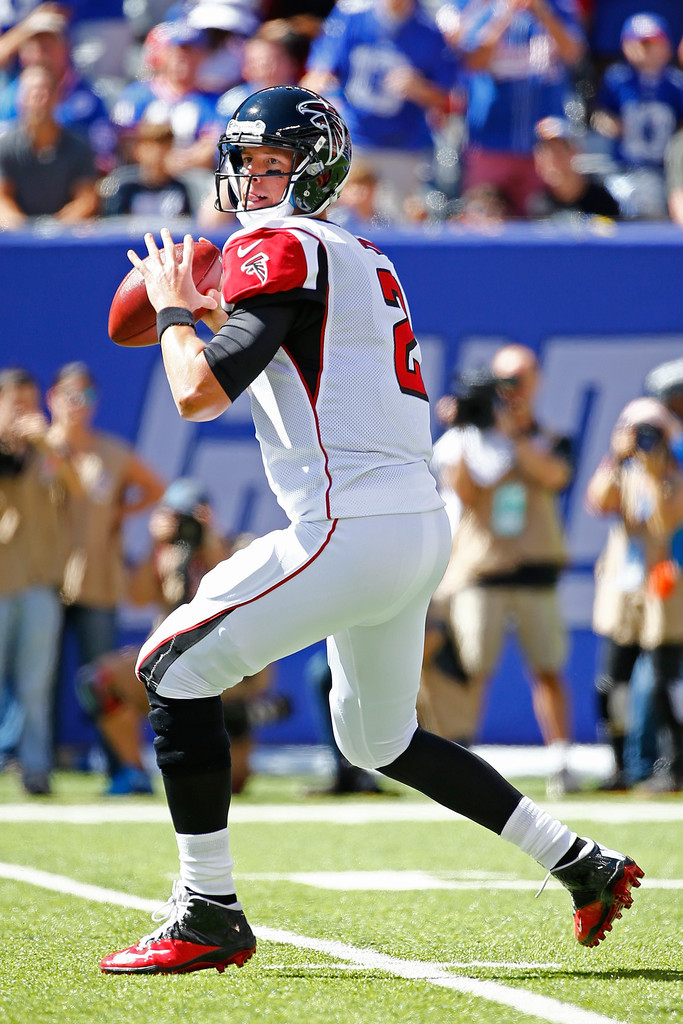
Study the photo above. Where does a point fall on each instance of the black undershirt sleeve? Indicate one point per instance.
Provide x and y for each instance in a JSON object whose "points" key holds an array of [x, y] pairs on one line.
{"points": [[248, 341]]}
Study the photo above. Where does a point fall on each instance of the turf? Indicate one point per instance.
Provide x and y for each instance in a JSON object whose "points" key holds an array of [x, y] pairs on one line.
{"points": [[51, 943]]}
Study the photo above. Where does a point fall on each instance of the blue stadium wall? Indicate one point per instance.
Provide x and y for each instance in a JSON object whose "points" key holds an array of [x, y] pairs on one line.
{"points": [[600, 307]]}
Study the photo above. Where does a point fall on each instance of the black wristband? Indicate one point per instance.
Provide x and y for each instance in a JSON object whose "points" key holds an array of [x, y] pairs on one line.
{"points": [[174, 316]]}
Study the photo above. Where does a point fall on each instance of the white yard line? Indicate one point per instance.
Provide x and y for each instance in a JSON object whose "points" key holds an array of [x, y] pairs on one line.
{"points": [[541, 1007], [367, 811], [416, 881]]}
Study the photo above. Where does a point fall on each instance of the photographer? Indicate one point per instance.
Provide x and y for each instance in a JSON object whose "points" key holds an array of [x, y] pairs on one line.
{"points": [[185, 547], [638, 596], [36, 476], [508, 546]]}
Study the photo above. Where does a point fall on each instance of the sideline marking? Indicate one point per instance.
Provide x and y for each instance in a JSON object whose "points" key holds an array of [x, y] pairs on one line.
{"points": [[354, 812], [528, 1003], [416, 881]]}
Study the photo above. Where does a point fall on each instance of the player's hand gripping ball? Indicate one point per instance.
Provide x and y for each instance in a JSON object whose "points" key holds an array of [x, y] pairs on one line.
{"points": [[132, 319]]}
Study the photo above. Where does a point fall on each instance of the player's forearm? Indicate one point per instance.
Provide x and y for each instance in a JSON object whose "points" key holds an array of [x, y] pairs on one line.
{"points": [[196, 392]]}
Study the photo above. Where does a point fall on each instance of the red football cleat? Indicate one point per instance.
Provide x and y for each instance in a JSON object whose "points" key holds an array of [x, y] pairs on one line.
{"points": [[197, 934], [599, 882]]}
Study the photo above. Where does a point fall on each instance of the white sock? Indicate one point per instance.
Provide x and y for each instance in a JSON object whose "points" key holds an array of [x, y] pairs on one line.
{"points": [[558, 752], [535, 832], [205, 863]]}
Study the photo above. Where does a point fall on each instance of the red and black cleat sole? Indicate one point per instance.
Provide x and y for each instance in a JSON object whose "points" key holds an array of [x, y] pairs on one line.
{"points": [[238, 960], [609, 909], [199, 963]]}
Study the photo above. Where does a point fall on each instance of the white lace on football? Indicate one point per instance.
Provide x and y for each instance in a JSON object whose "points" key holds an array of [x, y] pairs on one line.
{"points": [[170, 912]]}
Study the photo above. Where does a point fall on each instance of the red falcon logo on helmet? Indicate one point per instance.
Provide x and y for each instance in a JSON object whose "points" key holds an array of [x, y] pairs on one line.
{"points": [[258, 266]]}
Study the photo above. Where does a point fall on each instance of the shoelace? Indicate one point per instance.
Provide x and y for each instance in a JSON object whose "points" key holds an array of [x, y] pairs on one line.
{"points": [[589, 846], [543, 885], [170, 912]]}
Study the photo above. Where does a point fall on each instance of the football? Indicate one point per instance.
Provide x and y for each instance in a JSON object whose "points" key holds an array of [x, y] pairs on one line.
{"points": [[132, 319]]}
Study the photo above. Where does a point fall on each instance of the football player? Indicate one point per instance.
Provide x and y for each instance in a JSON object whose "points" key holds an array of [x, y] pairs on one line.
{"points": [[315, 323]]}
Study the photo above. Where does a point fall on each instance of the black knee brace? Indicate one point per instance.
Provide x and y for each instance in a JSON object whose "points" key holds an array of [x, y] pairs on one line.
{"points": [[191, 737]]}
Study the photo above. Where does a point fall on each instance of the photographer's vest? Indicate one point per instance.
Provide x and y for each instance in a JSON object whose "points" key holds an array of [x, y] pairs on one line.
{"points": [[625, 609], [94, 574], [509, 527], [32, 535]]}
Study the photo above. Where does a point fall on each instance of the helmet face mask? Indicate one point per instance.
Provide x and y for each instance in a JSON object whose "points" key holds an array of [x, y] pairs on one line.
{"points": [[287, 118]]}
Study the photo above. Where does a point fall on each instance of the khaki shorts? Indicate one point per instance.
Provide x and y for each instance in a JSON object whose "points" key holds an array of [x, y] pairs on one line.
{"points": [[480, 617], [448, 708]]}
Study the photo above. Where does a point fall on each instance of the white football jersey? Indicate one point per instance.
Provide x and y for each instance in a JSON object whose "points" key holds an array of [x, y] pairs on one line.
{"points": [[347, 434]]}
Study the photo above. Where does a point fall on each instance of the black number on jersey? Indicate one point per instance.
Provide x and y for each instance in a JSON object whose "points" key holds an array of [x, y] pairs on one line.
{"points": [[408, 373]]}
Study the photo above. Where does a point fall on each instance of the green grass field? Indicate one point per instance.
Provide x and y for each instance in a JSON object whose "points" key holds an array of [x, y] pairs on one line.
{"points": [[360, 920]]}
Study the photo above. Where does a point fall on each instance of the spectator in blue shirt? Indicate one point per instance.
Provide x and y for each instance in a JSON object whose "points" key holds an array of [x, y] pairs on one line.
{"points": [[388, 68], [41, 39], [519, 54], [607, 19], [640, 107], [171, 95]]}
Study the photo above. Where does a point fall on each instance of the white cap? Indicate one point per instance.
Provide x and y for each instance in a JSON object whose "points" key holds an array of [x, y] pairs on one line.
{"points": [[228, 15], [45, 21], [652, 412], [665, 380]]}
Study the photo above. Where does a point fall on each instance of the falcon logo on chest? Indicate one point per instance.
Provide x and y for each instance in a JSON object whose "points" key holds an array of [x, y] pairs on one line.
{"points": [[257, 265]]}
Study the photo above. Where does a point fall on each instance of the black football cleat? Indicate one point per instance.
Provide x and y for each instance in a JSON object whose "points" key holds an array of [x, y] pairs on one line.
{"points": [[599, 882], [197, 934]]}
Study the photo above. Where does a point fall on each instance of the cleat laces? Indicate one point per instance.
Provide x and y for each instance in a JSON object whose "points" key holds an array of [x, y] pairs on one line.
{"points": [[169, 912], [543, 885]]}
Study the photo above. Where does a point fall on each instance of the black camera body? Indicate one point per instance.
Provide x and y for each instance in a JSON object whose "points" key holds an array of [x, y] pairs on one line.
{"points": [[648, 437], [477, 394], [11, 465], [189, 531]]}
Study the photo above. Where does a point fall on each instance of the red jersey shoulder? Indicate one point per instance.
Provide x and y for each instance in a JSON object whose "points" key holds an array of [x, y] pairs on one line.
{"points": [[264, 261]]}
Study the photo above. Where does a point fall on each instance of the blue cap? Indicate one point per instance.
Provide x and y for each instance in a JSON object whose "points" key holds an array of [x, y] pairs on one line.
{"points": [[183, 496], [645, 25]]}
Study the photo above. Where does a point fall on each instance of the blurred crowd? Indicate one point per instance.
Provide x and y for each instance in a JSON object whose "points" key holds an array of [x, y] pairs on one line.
{"points": [[465, 112], [67, 488], [468, 113], [66, 491], [502, 475]]}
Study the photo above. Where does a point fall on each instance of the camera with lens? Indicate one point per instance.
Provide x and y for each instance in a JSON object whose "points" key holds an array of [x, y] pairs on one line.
{"points": [[648, 437], [477, 394], [11, 465], [189, 531]]}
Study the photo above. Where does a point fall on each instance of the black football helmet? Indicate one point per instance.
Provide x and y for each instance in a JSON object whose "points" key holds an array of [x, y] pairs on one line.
{"points": [[290, 118]]}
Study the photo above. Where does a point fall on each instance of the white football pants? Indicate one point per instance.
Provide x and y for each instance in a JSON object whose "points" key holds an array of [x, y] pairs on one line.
{"points": [[363, 583]]}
